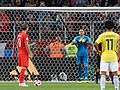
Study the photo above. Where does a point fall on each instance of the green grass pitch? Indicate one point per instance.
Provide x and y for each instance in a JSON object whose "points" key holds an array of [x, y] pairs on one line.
{"points": [[55, 86]]}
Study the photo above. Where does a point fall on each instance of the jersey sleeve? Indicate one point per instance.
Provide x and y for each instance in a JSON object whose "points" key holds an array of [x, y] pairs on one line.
{"points": [[88, 39], [75, 39], [26, 38], [99, 39]]}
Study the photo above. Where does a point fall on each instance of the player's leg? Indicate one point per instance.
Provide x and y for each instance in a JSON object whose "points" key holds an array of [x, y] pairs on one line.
{"points": [[114, 70], [85, 63], [98, 69], [23, 63], [97, 75], [79, 67], [21, 78], [103, 68], [111, 76]]}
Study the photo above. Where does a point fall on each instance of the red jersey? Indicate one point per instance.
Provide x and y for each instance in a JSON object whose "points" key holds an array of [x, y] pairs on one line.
{"points": [[21, 39]]}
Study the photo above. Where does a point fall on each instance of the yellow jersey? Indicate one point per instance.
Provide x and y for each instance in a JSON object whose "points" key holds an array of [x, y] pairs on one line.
{"points": [[109, 42]]}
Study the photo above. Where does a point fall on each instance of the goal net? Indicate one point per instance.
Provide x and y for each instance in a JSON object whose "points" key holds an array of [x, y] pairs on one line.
{"points": [[44, 26]]}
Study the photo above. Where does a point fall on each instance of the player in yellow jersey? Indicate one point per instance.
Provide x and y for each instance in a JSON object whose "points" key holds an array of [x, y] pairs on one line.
{"points": [[109, 59]]}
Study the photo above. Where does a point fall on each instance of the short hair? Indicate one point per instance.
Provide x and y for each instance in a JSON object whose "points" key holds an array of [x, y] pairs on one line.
{"points": [[109, 24], [81, 27], [24, 27]]}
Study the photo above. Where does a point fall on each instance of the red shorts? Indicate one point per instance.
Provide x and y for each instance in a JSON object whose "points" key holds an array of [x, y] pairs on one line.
{"points": [[23, 60]]}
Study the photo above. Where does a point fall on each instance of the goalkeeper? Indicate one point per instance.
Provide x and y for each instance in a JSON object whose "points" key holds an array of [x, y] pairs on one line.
{"points": [[81, 42]]}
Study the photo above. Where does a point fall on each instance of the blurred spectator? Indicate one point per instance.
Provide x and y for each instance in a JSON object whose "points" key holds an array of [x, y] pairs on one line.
{"points": [[56, 49], [33, 3], [42, 4], [72, 2], [2, 49], [27, 4], [22, 3], [95, 3], [49, 3], [71, 50], [4, 19], [10, 3], [17, 3], [6, 3], [59, 3], [67, 3], [108, 3], [46, 18], [81, 3], [117, 5]]}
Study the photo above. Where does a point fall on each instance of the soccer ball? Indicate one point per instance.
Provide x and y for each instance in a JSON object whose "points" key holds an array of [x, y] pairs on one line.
{"points": [[37, 83]]}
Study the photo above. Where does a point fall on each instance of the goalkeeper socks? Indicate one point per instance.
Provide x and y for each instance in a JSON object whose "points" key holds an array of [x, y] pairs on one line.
{"points": [[97, 75], [116, 82], [86, 71], [102, 82], [80, 71], [22, 72]]}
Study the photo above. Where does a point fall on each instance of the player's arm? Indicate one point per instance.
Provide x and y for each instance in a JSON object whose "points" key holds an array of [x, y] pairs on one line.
{"points": [[74, 41], [98, 41], [28, 49], [89, 42], [26, 42], [96, 48]]}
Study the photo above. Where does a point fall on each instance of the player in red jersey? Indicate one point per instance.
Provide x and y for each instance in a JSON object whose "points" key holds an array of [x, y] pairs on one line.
{"points": [[24, 53]]}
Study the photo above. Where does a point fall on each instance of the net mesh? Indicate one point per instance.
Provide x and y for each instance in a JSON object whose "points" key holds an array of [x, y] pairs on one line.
{"points": [[43, 27]]}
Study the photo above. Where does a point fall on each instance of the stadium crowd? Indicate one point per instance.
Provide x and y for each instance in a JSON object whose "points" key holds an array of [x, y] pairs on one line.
{"points": [[46, 18], [59, 3]]}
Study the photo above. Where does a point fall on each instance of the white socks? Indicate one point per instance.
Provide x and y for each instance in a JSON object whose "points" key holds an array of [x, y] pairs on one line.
{"points": [[116, 82], [115, 79], [102, 82]]}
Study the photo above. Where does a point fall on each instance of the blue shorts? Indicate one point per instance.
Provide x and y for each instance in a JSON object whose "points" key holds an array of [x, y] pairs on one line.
{"points": [[82, 60]]}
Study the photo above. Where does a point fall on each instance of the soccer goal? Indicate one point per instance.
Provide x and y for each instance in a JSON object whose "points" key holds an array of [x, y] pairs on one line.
{"points": [[44, 25]]}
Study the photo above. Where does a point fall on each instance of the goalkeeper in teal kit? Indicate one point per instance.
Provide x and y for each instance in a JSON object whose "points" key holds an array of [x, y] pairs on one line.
{"points": [[81, 42]]}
